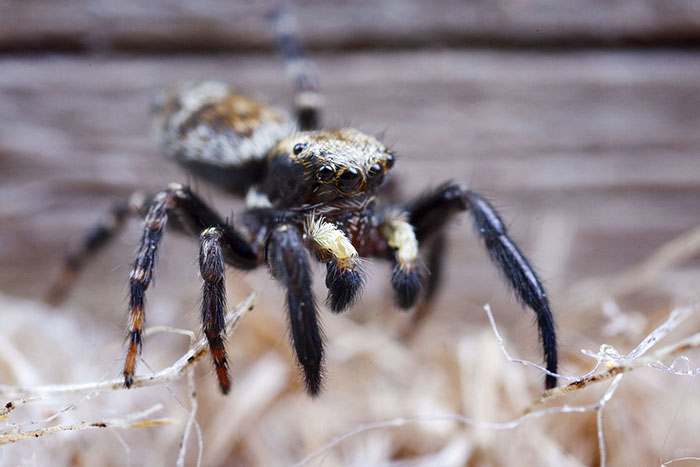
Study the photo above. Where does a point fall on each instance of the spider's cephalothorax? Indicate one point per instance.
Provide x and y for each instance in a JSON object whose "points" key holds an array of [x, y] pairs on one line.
{"points": [[306, 190], [320, 166]]}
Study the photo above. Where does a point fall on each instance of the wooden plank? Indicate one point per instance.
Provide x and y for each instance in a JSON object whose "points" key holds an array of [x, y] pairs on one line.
{"points": [[603, 145], [137, 26]]}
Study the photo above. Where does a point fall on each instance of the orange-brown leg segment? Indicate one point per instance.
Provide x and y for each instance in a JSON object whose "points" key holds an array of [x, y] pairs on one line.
{"points": [[193, 216], [211, 268], [142, 273]]}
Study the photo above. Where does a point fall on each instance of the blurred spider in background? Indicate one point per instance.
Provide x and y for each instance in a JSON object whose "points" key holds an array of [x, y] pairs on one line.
{"points": [[306, 190]]}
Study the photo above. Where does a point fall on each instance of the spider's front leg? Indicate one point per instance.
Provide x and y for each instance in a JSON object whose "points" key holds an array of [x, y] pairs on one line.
{"points": [[212, 269], [286, 257], [192, 216], [430, 213]]}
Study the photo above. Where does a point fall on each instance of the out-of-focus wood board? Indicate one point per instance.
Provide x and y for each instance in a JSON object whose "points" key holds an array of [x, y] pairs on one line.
{"points": [[594, 158], [211, 24]]}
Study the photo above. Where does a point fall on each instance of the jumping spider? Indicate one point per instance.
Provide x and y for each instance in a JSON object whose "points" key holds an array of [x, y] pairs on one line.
{"points": [[306, 190]]}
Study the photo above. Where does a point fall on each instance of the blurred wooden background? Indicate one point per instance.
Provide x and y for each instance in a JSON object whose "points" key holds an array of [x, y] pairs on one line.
{"points": [[84, 26], [580, 119]]}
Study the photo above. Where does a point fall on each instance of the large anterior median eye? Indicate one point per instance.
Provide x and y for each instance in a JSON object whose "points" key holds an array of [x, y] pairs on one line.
{"points": [[349, 180], [325, 173]]}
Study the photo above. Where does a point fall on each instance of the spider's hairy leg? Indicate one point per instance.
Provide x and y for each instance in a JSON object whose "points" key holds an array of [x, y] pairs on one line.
{"points": [[94, 241], [141, 275], [212, 269], [430, 213], [405, 278], [308, 100], [344, 278], [192, 216], [286, 257]]}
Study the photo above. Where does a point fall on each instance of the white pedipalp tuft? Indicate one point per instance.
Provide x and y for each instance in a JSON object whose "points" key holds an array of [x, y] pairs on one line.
{"points": [[330, 238], [401, 236]]}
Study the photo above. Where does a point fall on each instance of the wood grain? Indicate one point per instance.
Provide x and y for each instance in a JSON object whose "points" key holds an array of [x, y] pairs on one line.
{"points": [[211, 25], [593, 157]]}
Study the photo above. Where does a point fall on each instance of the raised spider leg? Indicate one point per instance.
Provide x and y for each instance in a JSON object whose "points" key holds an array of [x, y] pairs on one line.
{"points": [[193, 216], [308, 100], [286, 257], [430, 213], [92, 243]]}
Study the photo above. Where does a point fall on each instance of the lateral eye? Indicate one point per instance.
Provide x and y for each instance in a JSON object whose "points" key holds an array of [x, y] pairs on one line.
{"points": [[325, 173], [298, 148], [349, 180], [389, 161]]}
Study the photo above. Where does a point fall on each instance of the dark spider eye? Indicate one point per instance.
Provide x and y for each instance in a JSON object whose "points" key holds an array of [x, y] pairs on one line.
{"points": [[389, 161], [325, 173], [349, 180], [298, 148], [376, 174]]}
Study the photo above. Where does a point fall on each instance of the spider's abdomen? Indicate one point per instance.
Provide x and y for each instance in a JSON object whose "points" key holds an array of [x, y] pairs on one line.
{"points": [[217, 133]]}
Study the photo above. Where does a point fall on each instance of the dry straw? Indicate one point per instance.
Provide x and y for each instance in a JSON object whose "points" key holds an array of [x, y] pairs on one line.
{"points": [[445, 415]]}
